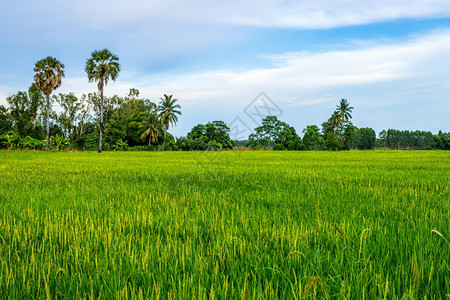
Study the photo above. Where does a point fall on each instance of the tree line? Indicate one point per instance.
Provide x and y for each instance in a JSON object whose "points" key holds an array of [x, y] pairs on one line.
{"points": [[84, 121], [96, 122]]}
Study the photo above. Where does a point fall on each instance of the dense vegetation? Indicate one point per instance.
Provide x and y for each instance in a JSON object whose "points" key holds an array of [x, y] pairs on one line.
{"points": [[94, 121], [226, 224]]}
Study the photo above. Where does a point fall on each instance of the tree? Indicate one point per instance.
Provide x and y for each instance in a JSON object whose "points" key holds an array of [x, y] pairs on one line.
{"points": [[36, 101], [102, 67], [5, 120], [335, 121], [70, 105], [312, 138], [276, 131], [151, 127], [344, 109], [49, 72], [20, 114], [168, 112], [218, 131], [266, 133], [382, 136], [367, 138]]}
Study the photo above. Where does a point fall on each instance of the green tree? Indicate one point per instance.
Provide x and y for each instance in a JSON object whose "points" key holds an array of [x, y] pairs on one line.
{"points": [[151, 128], [218, 131], [49, 73], [312, 138], [102, 67], [168, 112], [20, 113], [5, 120], [275, 131], [367, 139], [36, 101], [344, 109], [71, 106]]}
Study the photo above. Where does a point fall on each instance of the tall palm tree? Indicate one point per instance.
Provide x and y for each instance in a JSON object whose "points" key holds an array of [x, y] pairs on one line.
{"points": [[49, 72], [168, 112], [151, 127], [344, 110], [102, 67]]}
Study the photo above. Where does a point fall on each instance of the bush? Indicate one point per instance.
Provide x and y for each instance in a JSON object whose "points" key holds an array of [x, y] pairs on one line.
{"points": [[278, 147], [120, 145], [58, 142]]}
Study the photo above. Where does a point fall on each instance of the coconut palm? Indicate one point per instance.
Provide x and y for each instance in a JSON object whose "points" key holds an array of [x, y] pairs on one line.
{"points": [[344, 110], [168, 112], [49, 72], [102, 67], [335, 121], [151, 127]]}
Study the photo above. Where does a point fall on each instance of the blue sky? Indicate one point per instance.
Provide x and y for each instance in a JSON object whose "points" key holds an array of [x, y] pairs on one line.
{"points": [[389, 58]]}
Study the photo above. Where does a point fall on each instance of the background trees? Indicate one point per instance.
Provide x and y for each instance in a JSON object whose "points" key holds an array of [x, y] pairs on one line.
{"points": [[102, 67], [130, 122]]}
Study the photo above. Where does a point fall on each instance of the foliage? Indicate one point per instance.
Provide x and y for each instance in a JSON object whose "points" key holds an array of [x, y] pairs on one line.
{"points": [[58, 142], [275, 131], [278, 147], [120, 145], [367, 138], [48, 76], [405, 139], [312, 138], [6, 123], [11, 140], [442, 140], [151, 127], [168, 111], [102, 66], [212, 135]]}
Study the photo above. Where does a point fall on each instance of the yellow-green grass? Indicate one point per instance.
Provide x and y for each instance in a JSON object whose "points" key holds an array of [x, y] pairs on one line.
{"points": [[225, 225]]}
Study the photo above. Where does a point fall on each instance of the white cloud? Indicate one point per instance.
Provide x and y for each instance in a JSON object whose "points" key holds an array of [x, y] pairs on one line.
{"points": [[296, 74], [113, 14]]}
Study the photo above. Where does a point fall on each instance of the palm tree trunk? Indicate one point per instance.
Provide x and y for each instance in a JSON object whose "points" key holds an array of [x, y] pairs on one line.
{"points": [[101, 119], [164, 142], [48, 123]]}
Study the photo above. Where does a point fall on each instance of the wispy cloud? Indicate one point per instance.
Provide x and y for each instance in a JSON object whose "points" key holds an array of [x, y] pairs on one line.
{"points": [[104, 14]]}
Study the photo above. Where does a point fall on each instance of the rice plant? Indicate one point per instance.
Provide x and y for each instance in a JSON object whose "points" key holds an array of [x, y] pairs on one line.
{"points": [[298, 225]]}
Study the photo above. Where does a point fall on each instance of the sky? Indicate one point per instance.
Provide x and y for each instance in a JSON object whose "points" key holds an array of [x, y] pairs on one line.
{"points": [[237, 61]]}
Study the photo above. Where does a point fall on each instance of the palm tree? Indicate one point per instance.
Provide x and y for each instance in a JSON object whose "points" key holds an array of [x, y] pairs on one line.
{"points": [[49, 72], [344, 110], [168, 112], [102, 67], [335, 121], [151, 127]]}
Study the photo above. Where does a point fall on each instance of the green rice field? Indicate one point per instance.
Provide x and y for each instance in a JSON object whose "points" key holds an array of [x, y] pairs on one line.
{"points": [[246, 225]]}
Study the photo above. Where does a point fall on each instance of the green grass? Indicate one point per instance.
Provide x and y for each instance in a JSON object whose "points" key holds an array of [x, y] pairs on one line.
{"points": [[225, 225]]}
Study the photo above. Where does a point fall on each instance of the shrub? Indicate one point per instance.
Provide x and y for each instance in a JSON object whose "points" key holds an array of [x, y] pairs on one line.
{"points": [[278, 147]]}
